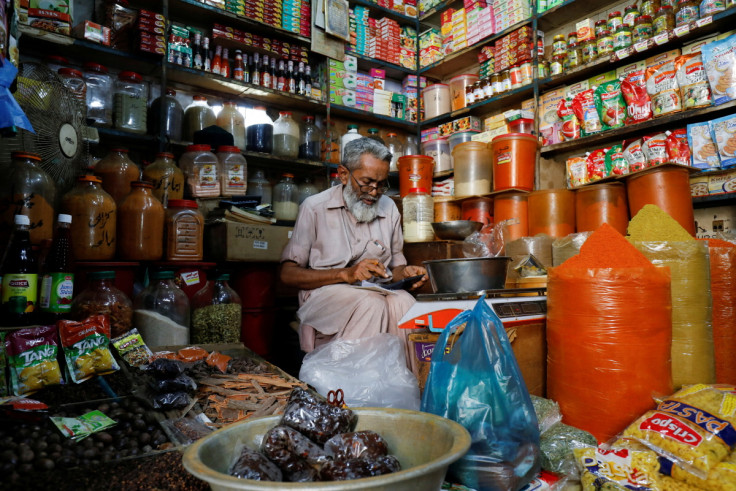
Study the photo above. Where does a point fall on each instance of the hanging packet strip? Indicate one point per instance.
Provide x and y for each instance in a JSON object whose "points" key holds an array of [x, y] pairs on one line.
{"points": [[616, 164], [610, 104], [86, 347], [719, 58], [663, 89], [596, 164], [32, 359], [570, 122], [638, 104], [583, 105], [704, 152], [692, 80], [80, 428], [723, 132], [634, 155], [655, 149], [678, 149], [577, 172]]}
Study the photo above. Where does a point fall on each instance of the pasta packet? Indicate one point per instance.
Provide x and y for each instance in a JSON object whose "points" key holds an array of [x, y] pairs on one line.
{"points": [[132, 348], [583, 105], [638, 104], [704, 152], [570, 122], [616, 164], [86, 347], [32, 359], [722, 477], [723, 132], [719, 59], [678, 149], [610, 104], [692, 81], [663, 89], [625, 464], [577, 171], [634, 155], [596, 164], [655, 149]]}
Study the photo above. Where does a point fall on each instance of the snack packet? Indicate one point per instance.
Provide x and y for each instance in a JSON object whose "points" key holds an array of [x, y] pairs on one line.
{"points": [[663, 89], [634, 90], [86, 347], [616, 164], [655, 149], [577, 172], [723, 132], [192, 354], [703, 149], [80, 428], [634, 155], [219, 361], [678, 150], [719, 59], [596, 164], [583, 105], [132, 349], [610, 104], [626, 464], [570, 124], [692, 80], [32, 359]]}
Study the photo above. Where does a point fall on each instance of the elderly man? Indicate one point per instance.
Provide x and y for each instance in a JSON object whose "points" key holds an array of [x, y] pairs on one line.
{"points": [[344, 235]]}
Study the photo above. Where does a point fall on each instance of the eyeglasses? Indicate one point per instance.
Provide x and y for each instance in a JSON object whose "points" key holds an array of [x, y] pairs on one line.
{"points": [[380, 187]]}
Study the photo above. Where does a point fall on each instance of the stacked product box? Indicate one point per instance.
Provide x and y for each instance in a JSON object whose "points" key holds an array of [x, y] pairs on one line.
{"points": [[281, 49], [506, 13], [179, 46], [430, 47], [466, 123], [427, 5], [429, 134], [151, 31], [382, 102], [364, 92], [459, 30], [446, 31], [220, 4], [344, 81], [544, 5], [410, 88], [236, 7], [513, 48], [388, 41], [408, 55], [296, 17], [486, 61]]}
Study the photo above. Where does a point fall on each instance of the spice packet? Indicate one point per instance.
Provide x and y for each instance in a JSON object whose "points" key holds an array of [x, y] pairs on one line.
{"points": [[692, 80], [719, 59], [80, 428], [570, 123], [678, 149], [86, 347], [723, 132], [634, 90], [192, 354], [577, 171], [655, 149], [583, 105], [32, 359], [132, 349], [616, 164], [610, 104], [219, 361], [634, 155], [165, 355], [596, 164], [663, 89], [703, 149]]}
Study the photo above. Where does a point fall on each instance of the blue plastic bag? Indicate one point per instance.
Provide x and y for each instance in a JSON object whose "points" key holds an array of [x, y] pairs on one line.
{"points": [[478, 384], [11, 113]]}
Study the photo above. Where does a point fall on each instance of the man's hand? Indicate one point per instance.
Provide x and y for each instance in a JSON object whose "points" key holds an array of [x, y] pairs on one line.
{"points": [[409, 271], [364, 270]]}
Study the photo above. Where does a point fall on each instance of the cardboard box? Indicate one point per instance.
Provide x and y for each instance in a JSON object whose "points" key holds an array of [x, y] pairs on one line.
{"points": [[722, 182], [601, 78], [92, 32], [232, 241], [713, 220]]}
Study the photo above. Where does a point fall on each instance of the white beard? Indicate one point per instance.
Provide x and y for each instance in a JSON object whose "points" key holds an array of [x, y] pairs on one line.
{"points": [[361, 211]]}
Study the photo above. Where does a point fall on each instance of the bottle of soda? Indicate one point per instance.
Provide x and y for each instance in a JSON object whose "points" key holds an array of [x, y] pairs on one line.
{"points": [[20, 277], [57, 283]]}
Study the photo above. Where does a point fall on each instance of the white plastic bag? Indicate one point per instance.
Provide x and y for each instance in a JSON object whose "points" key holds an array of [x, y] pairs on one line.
{"points": [[370, 371]]}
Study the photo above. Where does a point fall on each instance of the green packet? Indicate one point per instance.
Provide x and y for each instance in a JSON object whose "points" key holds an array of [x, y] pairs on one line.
{"points": [[132, 348], [80, 428]]}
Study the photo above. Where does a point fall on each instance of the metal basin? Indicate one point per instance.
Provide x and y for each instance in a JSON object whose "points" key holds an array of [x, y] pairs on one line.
{"points": [[467, 274], [425, 445], [456, 229]]}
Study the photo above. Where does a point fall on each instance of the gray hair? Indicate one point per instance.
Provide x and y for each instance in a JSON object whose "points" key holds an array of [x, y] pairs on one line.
{"points": [[356, 148]]}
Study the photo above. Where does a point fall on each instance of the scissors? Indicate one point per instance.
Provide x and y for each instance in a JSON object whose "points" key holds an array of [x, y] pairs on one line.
{"points": [[336, 398]]}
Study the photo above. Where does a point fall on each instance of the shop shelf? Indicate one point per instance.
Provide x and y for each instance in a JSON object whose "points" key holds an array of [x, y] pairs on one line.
{"points": [[386, 12], [107, 134], [432, 16], [365, 117], [724, 199], [266, 160], [560, 15], [393, 71]]}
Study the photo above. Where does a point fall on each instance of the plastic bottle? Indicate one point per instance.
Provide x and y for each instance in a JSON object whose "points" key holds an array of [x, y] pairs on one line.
{"points": [[216, 313], [233, 122], [259, 131], [306, 189], [57, 283], [285, 198], [310, 140], [173, 116], [199, 166], [285, 136], [198, 116], [396, 148], [258, 185], [351, 135], [232, 169], [167, 178], [162, 296], [418, 215], [19, 276], [373, 134], [411, 147]]}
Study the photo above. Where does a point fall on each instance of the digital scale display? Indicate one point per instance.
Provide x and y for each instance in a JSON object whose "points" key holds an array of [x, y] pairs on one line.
{"points": [[518, 309]]}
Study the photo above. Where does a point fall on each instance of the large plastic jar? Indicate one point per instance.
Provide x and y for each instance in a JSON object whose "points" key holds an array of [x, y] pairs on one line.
{"points": [[74, 81], [514, 159], [512, 206], [197, 116], [601, 203], [351, 135], [140, 225], [522, 125], [184, 226], [130, 102], [310, 139], [99, 94], [436, 100], [216, 313], [285, 136], [306, 189], [286, 198], [457, 89], [232, 169], [460, 137], [161, 311], [199, 166], [446, 209], [101, 297], [258, 131], [117, 171], [415, 171], [417, 215], [668, 188], [167, 178], [396, 148], [94, 220], [478, 210], [173, 116], [258, 185], [439, 150], [473, 169], [552, 212], [230, 120]]}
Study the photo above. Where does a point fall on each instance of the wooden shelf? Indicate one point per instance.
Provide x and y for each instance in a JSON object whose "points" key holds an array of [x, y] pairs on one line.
{"points": [[386, 12], [432, 16], [366, 117], [281, 163], [723, 199], [392, 71], [107, 134]]}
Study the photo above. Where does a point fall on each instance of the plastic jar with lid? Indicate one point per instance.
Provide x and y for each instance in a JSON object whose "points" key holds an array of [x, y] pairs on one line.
{"points": [[461, 137], [351, 135], [101, 297], [473, 169], [418, 215], [335, 179], [286, 199], [55, 62], [258, 185], [197, 116], [515, 75], [643, 29], [117, 171], [572, 38], [140, 229], [590, 51], [161, 311], [306, 189], [73, 80], [664, 21], [686, 11], [230, 120], [574, 56], [559, 46], [285, 136], [184, 231], [622, 38], [630, 14], [557, 65], [458, 86], [374, 134], [258, 131], [600, 26], [166, 177], [173, 116], [99, 94], [396, 148], [604, 43], [216, 313], [615, 19], [94, 220], [650, 7], [232, 169], [310, 139], [439, 150], [526, 72], [199, 166], [436, 100], [130, 102], [28, 190]]}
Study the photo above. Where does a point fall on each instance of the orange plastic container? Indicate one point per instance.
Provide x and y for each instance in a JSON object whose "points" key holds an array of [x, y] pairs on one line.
{"points": [[415, 171], [667, 187], [512, 205], [457, 89], [478, 210], [446, 210], [601, 203], [514, 159], [552, 212]]}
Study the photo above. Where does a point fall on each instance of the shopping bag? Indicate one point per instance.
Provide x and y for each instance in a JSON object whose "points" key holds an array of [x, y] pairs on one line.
{"points": [[477, 382]]}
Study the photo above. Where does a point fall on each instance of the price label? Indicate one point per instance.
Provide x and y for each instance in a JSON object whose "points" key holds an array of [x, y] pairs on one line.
{"points": [[641, 46], [682, 30], [622, 53], [661, 38], [704, 21]]}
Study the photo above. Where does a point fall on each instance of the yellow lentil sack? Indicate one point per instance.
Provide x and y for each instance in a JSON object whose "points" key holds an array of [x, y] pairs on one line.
{"points": [[651, 223], [626, 465]]}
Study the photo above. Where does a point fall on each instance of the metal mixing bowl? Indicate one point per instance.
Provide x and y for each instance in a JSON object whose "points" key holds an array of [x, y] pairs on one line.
{"points": [[456, 229], [467, 274]]}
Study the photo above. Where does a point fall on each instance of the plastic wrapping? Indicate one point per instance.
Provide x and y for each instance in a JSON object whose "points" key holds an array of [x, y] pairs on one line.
{"points": [[250, 464], [370, 371], [540, 246], [567, 247], [11, 113], [170, 400], [547, 411], [359, 445], [316, 419], [693, 359], [556, 447], [298, 458], [626, 464], [185, 431], [164, 368], [479, 385], [343, 470], [179, 383], [723, 290], [488, 241]]}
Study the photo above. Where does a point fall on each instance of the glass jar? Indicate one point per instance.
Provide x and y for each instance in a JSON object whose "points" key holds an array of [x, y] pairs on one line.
{"points": [[232, 169], [101, 297], [559, 46], [622, 38], [230, 120], [94, 217], [310, 140], [643, 29], [615, 20], [515, 75], [99, 94], [410, 146], [166, 177], [28, 190], [526, 72], [487, 87], [590, 51], [117, 171], [574, 56], [161, 311], [199, 166], [572, 38], [306, 189], [258, 131], [687, 11], [198, 116], [396, 148], [543, 68], [630, 14], [418, 215], [374, 134], [664, 22], [130, 102], [216, 313], [557, 65], [285, 136], [650, 7], [184, 231], [335, 179], [258, 185], [285, 198], [55, 62], [173, 116], [73, 80], [505, 81], [604, 43], [478, 92], [600, 26], [497, 83], [140, 228], [469, 95]]}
